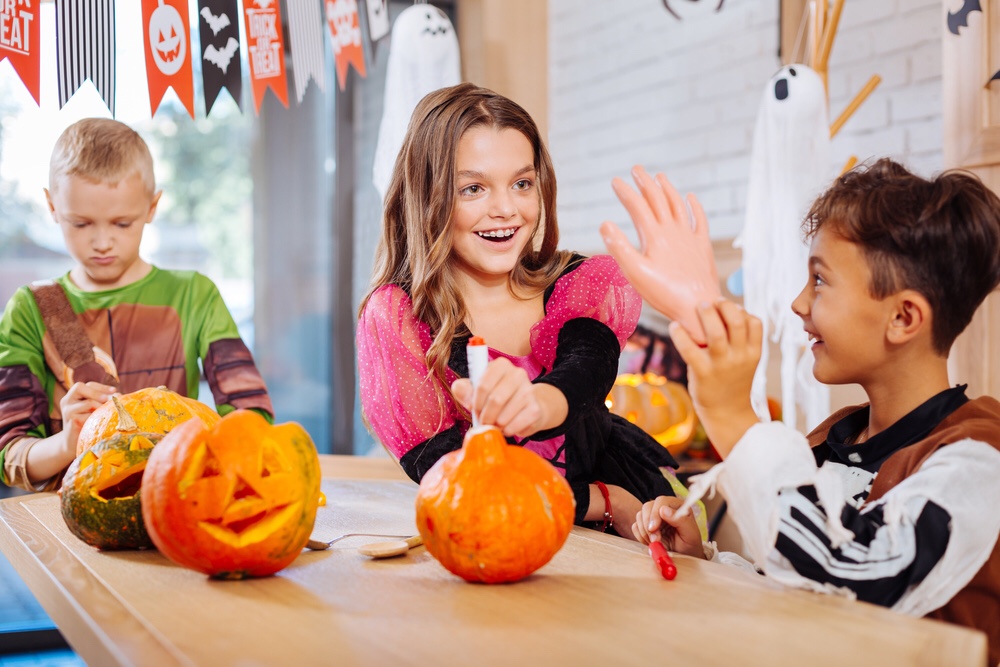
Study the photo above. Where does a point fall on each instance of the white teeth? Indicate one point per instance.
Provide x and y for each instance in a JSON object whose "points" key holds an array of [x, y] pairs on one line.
{"points": [[498, 233]]}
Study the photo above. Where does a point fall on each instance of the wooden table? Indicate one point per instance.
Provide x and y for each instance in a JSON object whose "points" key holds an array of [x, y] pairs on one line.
{"points": [[598, 602]]}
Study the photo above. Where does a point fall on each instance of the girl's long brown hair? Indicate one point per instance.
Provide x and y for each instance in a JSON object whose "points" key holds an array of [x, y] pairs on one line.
{"points": [[415, 249]]}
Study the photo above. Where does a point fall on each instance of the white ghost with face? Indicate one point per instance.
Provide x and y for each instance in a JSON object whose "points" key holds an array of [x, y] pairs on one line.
{"points": [[423, 57], [789, 168]]}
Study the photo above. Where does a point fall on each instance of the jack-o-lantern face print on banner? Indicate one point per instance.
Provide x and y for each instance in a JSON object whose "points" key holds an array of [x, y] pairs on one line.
{"points": [[167, 38], [235, 501]]}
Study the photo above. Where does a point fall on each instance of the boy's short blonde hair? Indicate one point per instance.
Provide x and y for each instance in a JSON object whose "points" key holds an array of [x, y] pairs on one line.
{"points": [[101, 150]]}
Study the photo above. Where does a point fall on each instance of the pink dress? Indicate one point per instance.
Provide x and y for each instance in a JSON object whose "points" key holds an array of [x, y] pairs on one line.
{"points": [[412, 414]]}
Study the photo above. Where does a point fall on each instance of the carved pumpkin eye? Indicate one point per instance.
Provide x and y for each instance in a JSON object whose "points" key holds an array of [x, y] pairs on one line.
{"points": [[151, 410], [236, 501]]}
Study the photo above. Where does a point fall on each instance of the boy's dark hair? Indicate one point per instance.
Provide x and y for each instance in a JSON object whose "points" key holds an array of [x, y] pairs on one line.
{"points": [[940, 237]]}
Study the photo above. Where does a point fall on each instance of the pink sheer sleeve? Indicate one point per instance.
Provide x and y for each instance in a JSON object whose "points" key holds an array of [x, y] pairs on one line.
{"points": [[401, 399], [596, 289]]}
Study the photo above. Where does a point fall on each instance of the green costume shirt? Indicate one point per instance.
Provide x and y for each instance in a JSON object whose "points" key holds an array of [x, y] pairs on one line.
{"points": [[155, 330]]}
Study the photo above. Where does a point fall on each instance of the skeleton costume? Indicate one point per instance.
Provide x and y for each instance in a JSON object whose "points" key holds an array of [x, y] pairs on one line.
{"points": [[907, 519]]}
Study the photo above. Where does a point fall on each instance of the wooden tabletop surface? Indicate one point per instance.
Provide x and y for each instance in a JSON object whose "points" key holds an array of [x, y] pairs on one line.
{"points": [[598, 602]]}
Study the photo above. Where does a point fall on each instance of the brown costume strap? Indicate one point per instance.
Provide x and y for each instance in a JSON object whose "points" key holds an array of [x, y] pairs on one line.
{"points": [[68, 335]]}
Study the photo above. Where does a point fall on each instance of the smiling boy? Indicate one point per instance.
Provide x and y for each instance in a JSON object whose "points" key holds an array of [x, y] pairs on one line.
{"points": [[895, 501], [140, 326]]}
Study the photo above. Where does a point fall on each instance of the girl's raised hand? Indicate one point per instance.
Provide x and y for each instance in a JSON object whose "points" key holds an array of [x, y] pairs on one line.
{"points": [[674, 268], [507, 399], [720, 375]]}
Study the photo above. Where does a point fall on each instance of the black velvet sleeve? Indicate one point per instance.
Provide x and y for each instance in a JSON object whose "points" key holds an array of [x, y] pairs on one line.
{"points": [[419, 460], [584, 370]]}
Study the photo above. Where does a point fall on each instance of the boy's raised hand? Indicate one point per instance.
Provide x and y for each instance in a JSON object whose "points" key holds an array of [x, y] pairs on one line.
{"points": [[720, 375], [674, 269], [654, 516]]}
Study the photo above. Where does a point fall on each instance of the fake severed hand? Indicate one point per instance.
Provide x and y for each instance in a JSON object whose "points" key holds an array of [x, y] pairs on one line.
{"points": [[674, 269]]}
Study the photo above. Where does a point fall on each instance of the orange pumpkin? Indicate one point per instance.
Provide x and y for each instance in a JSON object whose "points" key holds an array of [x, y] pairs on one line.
{"points": [[150, 410], [656, 405], [493, 512], [234, 501]]}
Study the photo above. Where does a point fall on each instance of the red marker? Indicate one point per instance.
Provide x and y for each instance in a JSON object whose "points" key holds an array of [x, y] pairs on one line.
{"points": [[663, 560]]}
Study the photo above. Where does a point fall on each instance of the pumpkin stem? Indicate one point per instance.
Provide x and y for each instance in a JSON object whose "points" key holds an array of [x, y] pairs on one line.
{"points": [[125, 421], [485, 444]]}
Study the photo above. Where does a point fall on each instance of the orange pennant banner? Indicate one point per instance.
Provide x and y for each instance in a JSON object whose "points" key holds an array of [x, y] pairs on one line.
{"points": [[266, 50], [168, 51], [345, 36], [19, 40]]}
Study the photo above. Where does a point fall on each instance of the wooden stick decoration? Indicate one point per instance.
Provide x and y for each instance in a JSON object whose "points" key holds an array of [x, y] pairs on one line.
{"points": [[826, 42], [854, 104]]}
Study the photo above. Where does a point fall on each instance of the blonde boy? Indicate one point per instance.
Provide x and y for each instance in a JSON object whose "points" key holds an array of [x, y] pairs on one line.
{"points": [[148, 326]]}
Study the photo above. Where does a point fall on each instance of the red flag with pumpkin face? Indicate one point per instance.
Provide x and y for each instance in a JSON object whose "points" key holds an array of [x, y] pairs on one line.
{"points": [[168, 51], [19, 41], [266, 49]]}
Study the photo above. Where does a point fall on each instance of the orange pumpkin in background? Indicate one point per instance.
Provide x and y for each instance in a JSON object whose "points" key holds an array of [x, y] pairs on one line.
{"points": [[150, 410], [658, 406], [493, 512], [234, 501]]}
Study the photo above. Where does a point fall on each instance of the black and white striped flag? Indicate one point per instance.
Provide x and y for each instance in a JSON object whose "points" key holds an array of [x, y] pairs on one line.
{"points": [[305, 27], [85, 48]]}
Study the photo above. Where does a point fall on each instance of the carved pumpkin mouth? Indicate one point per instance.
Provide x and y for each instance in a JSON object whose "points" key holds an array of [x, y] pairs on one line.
{"points": [[237, 510], [126, 488], [253, 529], [114, 480]]}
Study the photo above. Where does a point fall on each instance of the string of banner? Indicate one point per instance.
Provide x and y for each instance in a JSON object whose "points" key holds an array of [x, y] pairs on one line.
{"points": [[85, 46]]}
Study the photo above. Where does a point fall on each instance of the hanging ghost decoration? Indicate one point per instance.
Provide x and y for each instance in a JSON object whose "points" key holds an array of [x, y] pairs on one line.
{"points": [[789, 168], [423, 56]]}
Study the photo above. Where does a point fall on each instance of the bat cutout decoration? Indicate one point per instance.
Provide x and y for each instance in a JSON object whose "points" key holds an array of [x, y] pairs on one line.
{"points": [[960, 19], [216, 23], [666, 4], [222, 57]]}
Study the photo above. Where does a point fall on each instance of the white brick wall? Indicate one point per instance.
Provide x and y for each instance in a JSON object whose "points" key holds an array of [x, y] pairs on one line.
{"points": [[629, 84]]}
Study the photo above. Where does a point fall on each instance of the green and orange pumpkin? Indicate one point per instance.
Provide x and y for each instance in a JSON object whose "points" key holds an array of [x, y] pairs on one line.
{"points": [[492, 512], [150, 410], [234, 500], [100, 497]]}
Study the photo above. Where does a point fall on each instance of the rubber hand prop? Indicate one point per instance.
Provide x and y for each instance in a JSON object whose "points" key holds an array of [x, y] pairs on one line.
{"points": [[674, 268]]}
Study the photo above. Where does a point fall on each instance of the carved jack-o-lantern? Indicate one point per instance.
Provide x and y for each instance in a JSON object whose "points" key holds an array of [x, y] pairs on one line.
{"points": [[167, 39], [150, 410], [235, 501], [100, 499], [656, 405]]}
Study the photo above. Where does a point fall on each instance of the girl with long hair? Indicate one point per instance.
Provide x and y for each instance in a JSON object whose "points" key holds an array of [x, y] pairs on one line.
{"points": [[469, 247]]}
